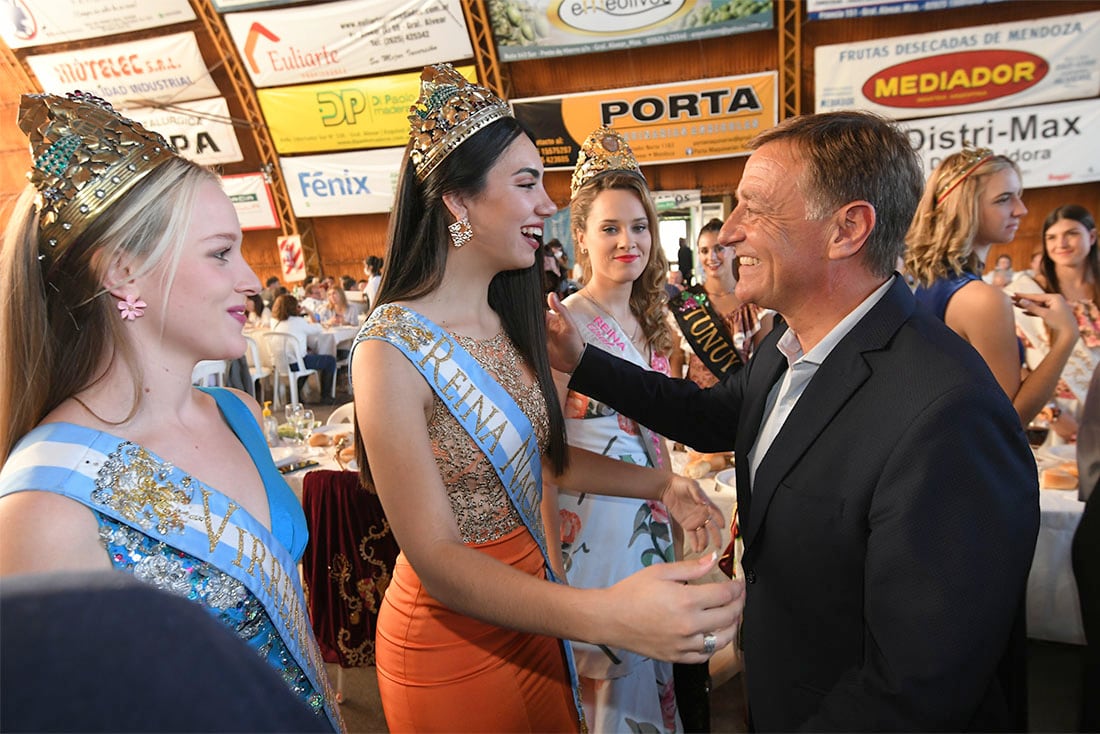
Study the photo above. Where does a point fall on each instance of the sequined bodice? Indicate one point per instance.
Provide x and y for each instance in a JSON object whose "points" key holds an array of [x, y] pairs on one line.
{"points": [[481, 506]]}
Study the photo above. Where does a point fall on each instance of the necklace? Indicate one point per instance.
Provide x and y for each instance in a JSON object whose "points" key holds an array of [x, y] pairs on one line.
{"points": [[606, 312]]}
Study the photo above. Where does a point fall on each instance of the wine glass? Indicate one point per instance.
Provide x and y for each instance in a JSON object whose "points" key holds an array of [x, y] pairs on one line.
{"points": [[1037, 431], [293, 411], [305, 425]]}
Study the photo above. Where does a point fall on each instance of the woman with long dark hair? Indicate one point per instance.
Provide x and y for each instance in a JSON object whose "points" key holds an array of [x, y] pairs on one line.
{"points": [[457, 417]]}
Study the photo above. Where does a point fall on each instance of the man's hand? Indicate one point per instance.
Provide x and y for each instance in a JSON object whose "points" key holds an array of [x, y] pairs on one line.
{"points": [[563, 339]]}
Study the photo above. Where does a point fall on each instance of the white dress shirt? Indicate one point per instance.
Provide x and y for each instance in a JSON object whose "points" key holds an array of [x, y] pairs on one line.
{"points": [[801, 368]]}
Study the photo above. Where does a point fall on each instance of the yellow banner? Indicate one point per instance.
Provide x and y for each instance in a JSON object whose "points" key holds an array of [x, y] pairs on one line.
{"points": [[349, 114], [664, 123]]}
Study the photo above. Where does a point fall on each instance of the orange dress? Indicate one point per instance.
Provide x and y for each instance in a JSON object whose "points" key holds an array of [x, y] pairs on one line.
{"points": [[442, 671]]}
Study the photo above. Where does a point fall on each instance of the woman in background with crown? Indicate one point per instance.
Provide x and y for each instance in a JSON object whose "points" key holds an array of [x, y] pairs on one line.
{"points": [[123, 269], [971, 202], [458, 417], [620, 309]]}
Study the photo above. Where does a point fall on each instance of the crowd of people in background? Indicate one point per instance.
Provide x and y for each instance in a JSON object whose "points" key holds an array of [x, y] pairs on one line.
{"points": [[841, 342]]}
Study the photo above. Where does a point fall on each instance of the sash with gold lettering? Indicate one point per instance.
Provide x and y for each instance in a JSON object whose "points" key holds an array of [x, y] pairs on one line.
{"points": [[484, 409], [192, 539], [704, 330]]}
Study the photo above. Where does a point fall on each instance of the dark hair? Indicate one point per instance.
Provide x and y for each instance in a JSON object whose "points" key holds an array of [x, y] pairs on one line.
{"points": [[271, 281], [857, 156], [1082, 216], [257, 303], [374, 263], [284, 307], [418, 245], [711, 227]]}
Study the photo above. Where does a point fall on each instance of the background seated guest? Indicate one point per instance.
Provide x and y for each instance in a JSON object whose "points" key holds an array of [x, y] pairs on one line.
{"points": [[288, 320], [340, 312], [1001, 274], [271, 290], [973, 200], [869, 438], [1070, 266], [259, 315]]}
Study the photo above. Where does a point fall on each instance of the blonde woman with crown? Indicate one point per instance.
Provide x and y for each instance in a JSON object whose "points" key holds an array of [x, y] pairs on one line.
{"points": [[123, 268], [973, 201], [621, 310], [458, 418]]}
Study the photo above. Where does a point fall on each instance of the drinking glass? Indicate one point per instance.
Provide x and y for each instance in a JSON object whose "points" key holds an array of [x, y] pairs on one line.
{"points": [[1037, 431], [293, 411], [305, 425]]}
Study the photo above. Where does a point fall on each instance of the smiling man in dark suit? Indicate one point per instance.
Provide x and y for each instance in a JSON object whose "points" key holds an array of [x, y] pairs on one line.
{"points": [[887, 496]]}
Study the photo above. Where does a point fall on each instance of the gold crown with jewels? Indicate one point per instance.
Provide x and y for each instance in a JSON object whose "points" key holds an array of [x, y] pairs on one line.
{"points": [[449, 111], [85, 156], [603, 151]]}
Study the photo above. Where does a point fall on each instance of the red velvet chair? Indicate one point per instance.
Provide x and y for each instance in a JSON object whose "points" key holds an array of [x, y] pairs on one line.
{"points": [[347, 565]]}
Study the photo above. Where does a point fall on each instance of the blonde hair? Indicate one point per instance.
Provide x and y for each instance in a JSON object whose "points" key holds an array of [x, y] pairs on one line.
{"points": [[940, 241], [647, 296], [58, 333]]}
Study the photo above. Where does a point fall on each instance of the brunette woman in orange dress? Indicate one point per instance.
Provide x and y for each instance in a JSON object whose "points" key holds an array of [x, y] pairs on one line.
{"points": [[458, 418]]}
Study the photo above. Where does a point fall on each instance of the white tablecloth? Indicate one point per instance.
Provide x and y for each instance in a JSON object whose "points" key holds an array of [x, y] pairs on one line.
{"points": [[1053, 610]]}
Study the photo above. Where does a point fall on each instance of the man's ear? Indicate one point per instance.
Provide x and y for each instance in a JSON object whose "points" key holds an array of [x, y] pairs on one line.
{"points": [[854, 223]]}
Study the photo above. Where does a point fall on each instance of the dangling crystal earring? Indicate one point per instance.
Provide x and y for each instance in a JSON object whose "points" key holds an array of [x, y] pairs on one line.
{"points": [[461, 232], [132, 308]]}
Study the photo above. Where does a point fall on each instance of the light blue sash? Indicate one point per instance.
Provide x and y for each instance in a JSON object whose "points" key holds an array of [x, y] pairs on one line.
{"points": [[485, 409], [133, 486]]}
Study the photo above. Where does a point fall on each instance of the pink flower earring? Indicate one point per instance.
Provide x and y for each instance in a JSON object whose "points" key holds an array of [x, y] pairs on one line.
{"points": [[132, 308]]}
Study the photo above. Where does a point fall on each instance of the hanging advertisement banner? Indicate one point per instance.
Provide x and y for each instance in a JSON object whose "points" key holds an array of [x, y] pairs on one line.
{"points": [[351, 38], [963, 70], [1054, 145], [201, 130], [161, 69], [535, 29], [345, 115], [291, 258], [251, 197], [836, 9], [664, 123], [25, 23], [358, 182]]}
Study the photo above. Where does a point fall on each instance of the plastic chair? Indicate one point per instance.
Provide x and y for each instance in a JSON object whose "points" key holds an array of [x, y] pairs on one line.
{"points": [[257, 366], [344, 414], [209, 371], [284, 353]]}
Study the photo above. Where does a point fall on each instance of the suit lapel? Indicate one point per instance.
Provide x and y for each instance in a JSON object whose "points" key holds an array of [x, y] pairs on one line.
{"points": [[838, 378]]}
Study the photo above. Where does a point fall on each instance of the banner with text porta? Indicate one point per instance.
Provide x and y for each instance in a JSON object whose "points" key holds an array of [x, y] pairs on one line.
{"points": [[664, 123], [343, 115], [1054, 145], [312, 43], [963, 70], [357, 182], [159, 69]]}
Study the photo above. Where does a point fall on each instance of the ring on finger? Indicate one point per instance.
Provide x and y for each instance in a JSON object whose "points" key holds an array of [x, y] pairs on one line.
{"points": [[710, 643]]}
